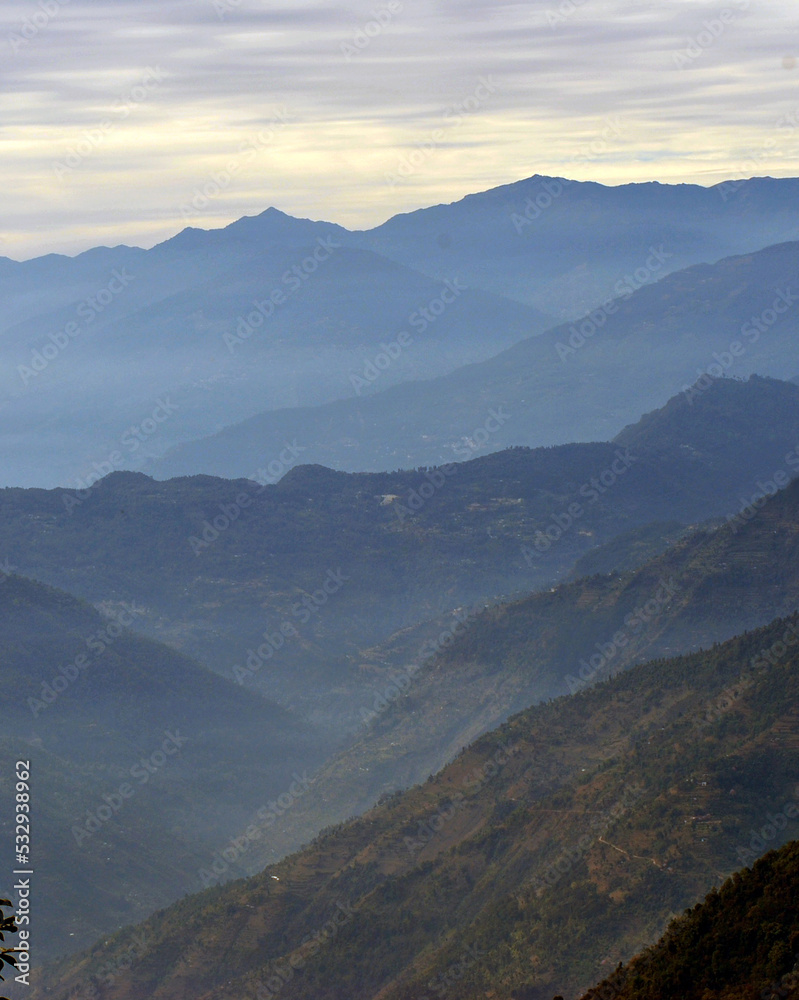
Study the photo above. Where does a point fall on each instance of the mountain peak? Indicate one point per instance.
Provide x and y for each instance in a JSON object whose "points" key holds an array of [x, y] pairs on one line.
{"points": [[689, 422], [314, 480], [122, 479]]}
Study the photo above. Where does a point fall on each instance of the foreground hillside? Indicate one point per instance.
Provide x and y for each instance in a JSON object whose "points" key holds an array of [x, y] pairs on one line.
{"points": [[308, 573], [707, 588], [551, 849], [741, 942], [143, 762]]}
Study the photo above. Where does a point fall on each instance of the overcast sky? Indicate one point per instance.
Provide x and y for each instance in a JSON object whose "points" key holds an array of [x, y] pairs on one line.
{"points": [[125, 120]]}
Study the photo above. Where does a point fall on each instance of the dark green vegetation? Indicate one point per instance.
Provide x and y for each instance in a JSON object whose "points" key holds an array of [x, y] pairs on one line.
{"points": [[7, 926], [741, 942], [393, 549], [143, 763], [577, 382], [551, 849]]}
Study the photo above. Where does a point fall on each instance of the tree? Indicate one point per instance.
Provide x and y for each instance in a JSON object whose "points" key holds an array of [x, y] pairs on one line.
{"points": [[8, 925]]}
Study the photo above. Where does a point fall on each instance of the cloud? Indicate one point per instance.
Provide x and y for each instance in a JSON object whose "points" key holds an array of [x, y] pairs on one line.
{"points": [[361, 86]]}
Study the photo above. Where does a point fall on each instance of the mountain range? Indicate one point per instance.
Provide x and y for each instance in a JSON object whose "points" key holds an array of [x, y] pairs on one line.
{"points": [[207, 329], [409, 704], [411, 612], [565, 245], [582, 381], [282, 587]]}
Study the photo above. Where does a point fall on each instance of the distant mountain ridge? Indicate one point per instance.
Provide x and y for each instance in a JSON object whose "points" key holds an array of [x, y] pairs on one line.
{"points": [[578, 239], [363, 679], [267, 313], [405, 718], [581, 381], [273, 312]]}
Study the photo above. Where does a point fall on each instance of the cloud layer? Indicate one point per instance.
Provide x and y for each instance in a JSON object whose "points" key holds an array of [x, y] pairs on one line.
{"points": [[124, 120]]}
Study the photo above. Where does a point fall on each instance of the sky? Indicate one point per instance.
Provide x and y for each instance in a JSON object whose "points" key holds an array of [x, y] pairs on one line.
{"points": [[123, 121]]}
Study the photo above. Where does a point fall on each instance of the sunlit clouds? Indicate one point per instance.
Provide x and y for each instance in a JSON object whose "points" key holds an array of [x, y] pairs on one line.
{"points": [[120, 118]]}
